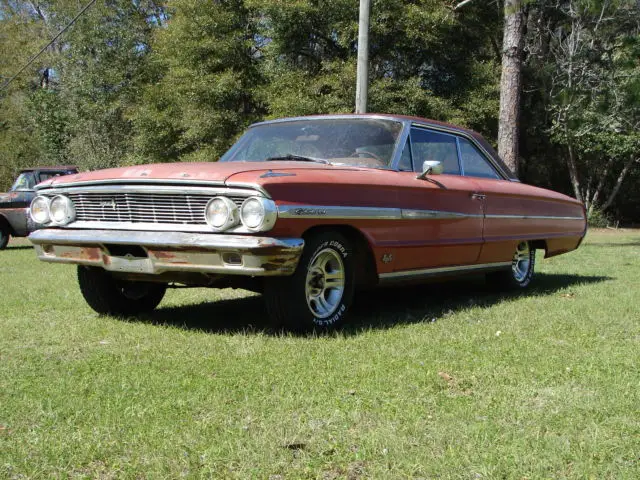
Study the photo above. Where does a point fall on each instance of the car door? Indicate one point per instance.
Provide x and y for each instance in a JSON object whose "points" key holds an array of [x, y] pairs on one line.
{"points": [[516, 212], [442, 215]]}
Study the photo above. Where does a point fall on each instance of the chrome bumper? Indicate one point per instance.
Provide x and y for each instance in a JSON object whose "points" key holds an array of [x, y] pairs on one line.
{"points": [[158, 252]]}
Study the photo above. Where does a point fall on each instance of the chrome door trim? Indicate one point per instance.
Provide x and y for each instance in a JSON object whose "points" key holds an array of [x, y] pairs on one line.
{"points": [[405, 275], [531, 217]]}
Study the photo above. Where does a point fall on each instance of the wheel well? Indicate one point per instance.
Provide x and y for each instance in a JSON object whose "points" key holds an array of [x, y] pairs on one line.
{"points": [[539, 245], [366, 276], [5, 225]]}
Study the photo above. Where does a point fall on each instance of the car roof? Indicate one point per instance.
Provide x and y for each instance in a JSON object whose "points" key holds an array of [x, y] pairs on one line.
{"points": [[423, 121]]}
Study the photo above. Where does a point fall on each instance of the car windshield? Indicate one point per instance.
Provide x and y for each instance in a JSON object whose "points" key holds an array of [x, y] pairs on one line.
{"points": [[25, 181], [364, 142]]}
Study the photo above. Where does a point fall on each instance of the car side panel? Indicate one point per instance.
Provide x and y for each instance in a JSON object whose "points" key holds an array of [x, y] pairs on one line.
{"points": [[412, 240], [452, 236], [516, 212]]}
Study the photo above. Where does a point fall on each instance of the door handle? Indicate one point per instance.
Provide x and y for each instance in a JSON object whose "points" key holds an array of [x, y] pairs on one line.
{"points": [[478, 196]]}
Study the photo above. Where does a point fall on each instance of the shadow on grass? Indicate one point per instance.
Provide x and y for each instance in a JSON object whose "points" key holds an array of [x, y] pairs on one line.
{"points": [[380, 308], [18, 247]]}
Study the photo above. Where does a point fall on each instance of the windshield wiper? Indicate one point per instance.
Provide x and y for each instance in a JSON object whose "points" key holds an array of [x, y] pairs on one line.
{"points": [[297, 158]]}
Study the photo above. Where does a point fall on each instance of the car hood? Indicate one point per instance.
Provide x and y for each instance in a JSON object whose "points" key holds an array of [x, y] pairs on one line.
{"points": [[215, 172]]}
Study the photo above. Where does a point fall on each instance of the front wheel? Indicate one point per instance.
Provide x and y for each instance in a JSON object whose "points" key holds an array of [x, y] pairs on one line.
{"points": [[109, 296], [318, 295], [521, 271], [4, 237]]}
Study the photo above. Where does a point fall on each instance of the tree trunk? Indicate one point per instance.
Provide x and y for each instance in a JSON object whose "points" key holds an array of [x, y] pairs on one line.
{"points": [[510, 83], [573, 172], [616, 188]]}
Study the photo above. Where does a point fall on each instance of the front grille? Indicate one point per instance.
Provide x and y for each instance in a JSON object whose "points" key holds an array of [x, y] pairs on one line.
{"points": [[168, 208]]}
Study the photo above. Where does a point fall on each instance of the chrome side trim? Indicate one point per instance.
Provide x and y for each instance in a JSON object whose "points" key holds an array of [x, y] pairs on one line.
{"points": [[432, 272], [374, 213], [531, 217], [338, 212], [436, 215]]}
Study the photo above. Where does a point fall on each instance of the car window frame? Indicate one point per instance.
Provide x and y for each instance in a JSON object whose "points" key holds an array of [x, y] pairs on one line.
{"points": [[458, 134], [440, 133], [483, 157]]}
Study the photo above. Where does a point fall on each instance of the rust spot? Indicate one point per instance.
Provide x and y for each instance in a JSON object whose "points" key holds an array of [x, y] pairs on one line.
{"points": [[82, 253], [162, 254]]}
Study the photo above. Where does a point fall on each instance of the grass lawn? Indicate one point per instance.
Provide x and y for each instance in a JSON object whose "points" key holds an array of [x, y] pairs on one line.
{"points": [[447, 381]]}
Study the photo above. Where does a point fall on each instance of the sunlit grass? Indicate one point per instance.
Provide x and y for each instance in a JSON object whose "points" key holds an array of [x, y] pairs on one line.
{"points": [[448, 381]]}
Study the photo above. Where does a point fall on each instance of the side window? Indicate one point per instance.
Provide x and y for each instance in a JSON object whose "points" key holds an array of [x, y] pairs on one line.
{"points": [[428, 145], [473, 162], [405, 160]]}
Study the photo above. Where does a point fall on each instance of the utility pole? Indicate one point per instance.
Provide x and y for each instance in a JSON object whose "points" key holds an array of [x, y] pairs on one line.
{"points": [[362, 81]]}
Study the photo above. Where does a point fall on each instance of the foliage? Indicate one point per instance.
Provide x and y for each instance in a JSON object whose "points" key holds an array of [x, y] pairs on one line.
{"points": [[137, 82]]}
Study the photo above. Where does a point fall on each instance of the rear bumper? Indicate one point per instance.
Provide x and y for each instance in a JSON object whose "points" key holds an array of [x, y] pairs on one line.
{"points": [[159, 252]]}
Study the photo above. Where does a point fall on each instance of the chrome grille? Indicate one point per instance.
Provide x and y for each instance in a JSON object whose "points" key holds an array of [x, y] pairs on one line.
{"points": [[167, 208]]}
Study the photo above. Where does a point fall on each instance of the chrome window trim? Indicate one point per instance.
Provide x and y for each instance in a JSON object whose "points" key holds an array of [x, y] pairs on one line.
{"points": [[403, 138], [443, 132], [395, 156], [460, 164], [475, 143], [427, 272]]}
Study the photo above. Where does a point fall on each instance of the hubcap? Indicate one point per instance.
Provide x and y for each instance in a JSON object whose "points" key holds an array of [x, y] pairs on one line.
{"points": [[325, 283], [521, 262]]}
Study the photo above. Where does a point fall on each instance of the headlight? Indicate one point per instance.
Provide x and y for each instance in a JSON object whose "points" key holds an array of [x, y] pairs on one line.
{"points": [[62, 210], [258, 214], [221, 213], [39, 210]]}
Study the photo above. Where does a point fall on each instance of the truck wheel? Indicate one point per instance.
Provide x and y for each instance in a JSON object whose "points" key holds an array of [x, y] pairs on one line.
{"points": [[521, 271], [4, 237], [319, 293], [109, 296]]}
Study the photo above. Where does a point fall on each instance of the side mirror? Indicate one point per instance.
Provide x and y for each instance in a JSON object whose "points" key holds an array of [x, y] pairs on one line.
{"points": [[431, 167]]}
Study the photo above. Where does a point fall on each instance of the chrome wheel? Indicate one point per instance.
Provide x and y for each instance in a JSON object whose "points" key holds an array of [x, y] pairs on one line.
{"points": [[325, 283], [521, 263]]}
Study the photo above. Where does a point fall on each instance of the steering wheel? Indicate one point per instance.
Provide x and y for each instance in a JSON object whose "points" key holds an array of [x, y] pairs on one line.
{"points": [[367, 153]]}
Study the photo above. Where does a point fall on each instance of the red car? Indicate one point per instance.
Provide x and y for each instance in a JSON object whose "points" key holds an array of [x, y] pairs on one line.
{"points": [[306, 210]]}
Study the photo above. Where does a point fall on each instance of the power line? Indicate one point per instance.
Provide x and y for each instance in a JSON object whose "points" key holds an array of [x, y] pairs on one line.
{"points": [[48, 45]]}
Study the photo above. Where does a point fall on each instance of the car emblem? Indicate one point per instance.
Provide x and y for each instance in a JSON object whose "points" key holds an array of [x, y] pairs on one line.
{"points": [[111, 204]]}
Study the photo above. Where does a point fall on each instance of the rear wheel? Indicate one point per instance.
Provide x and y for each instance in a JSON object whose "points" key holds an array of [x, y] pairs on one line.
{"points": [[318, 295], [4, 237], [521, 271], [109, 296]]}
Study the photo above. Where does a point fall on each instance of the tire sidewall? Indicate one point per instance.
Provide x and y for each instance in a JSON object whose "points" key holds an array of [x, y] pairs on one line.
{"points": [[528, 277], [342, 247], [4, 237]]}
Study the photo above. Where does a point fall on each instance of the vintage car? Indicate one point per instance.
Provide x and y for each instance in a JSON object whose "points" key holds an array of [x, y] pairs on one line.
{"points": [[306, 210], [14, 205]]}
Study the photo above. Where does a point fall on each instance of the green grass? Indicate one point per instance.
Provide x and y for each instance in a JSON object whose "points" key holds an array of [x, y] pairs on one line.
{"points": [[447, 381]]}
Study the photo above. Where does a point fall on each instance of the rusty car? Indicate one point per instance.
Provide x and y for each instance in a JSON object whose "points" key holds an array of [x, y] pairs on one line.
{"points": [[14, 205], [306, 210]]}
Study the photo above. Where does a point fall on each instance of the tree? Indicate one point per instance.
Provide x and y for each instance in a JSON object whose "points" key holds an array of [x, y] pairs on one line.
{"points": [[510, 82], [205, 84], [595, 88]]}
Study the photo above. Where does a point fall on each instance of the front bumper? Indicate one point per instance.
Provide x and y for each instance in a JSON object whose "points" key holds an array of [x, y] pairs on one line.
{"points": [[159, 252]]}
